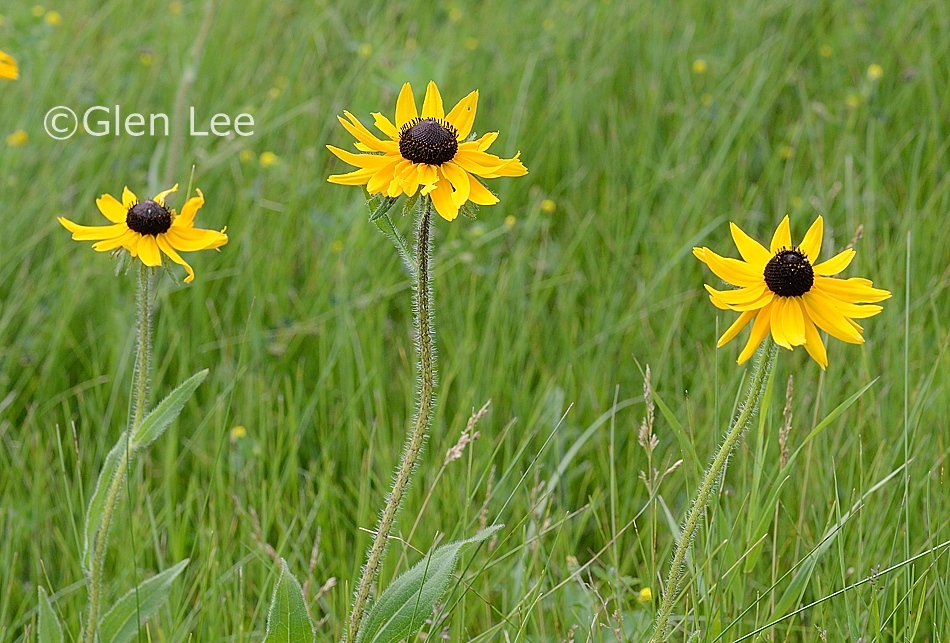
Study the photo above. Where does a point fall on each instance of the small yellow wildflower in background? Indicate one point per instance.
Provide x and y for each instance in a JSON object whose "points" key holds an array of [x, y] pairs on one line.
{"points": [[267, 159], [18, 138], [146, 59], [54, 18], [175, 8], [237, 433], [645, 596], [787, 293], [336, 247], [852, 100], [875, 71], [548, 206], [147, 229], [8, 67], [471, 43], [825, 51], [428, 154], [510, 221], [274, 92], [38, 11], [455, 14], [246, 156], [700, 66], [365, 50], [786, 152]]}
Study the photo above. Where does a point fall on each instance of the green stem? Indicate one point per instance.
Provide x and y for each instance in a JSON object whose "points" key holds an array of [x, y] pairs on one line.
{"points": [[415, 440], [139, 398], [760, 373]]}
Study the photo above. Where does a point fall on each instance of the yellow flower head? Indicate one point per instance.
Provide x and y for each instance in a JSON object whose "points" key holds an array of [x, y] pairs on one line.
{"points": [[428, 152], [17, 138], [785, 291], [8, 67], [147, 229]]}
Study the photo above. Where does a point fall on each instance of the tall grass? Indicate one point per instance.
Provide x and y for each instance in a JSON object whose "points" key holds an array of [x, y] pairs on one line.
{"points": [[302, 317]]}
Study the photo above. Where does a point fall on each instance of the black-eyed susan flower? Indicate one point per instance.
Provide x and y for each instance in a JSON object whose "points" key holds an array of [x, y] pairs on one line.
{"points": [[787, 293], [148, 229], [8, 67], [428, 152]]}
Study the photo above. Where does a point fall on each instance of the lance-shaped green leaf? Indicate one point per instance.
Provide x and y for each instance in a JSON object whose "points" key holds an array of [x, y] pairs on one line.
{"points": [[165, 413], [97, 503], [403, 608], [148, 431], [288, 620], [48, 628], [121, 623]]}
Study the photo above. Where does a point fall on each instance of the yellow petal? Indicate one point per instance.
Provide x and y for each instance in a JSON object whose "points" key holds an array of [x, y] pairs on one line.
{"points": [[836, 264], [733, 271], [853, 290], [111, 209], [793, 321], [93, 233], [174, 256], [148, 251], [442, 200], [385, 126], [432, 105], [428, 175], [460, 181], [405, 106], [363, 135], [462, 115], [822, 311], [358, 177], [811, 244], [361, 160], [8, 67], [380, 180], [479, 194], [777, 323], [122, 241], [128, 198], [749, 298], [736, 326], [814, 345], [750, 249], [481, 144], [187, 217], [759, 330], [160, 197], [782, 237], [194, 239]]}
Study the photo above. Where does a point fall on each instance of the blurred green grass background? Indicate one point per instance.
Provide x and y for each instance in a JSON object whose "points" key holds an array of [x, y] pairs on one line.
{"points": [[547, 305]]}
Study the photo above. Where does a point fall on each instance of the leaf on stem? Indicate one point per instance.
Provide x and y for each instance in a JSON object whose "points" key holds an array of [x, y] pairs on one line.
{"points": [[288, 620], [403, 608], [48, 629], [121, 623]]}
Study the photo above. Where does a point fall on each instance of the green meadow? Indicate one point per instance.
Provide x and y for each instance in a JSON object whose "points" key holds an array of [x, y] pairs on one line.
{"points": [[646, 128]]}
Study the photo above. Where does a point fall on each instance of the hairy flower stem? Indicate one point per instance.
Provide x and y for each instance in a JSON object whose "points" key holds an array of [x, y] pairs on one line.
{"points": [[139, 397], [415, 440], [760, 374]]}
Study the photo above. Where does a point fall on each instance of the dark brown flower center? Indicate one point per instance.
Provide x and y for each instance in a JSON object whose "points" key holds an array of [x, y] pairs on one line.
{"points": [[148, 217], [428, 140], [789, 274]]}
